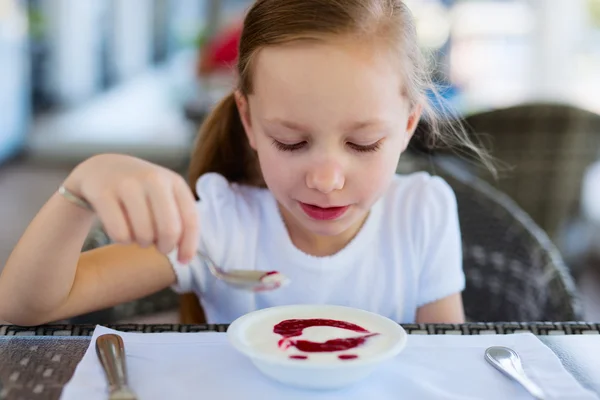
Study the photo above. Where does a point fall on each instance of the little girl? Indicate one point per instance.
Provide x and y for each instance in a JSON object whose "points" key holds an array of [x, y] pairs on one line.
{"points": [[294, 171]]}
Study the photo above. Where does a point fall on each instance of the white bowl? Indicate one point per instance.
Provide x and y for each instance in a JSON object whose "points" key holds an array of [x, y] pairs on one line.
{"points": [[253, 335]]}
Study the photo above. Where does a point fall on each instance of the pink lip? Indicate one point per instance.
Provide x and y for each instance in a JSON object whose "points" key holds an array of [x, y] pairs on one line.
{"points": [[323, 214]]}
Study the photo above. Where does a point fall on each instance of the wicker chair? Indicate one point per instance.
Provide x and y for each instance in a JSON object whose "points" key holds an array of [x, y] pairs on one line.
{"points": [[547, 148], [513, 271]]}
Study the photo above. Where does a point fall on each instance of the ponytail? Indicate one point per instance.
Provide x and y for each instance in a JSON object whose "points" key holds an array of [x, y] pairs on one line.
{"points": [[222, 147]]}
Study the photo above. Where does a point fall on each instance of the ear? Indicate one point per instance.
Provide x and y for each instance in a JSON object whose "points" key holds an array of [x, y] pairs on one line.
{"points": [[244, 110], [413, 121]]}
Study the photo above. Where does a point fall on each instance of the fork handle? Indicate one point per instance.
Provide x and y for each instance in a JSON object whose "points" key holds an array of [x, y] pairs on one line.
{"points": [[111, 352]]}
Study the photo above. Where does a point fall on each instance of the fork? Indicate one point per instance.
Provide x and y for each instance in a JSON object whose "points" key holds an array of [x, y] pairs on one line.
{"points": [[111, 352]]}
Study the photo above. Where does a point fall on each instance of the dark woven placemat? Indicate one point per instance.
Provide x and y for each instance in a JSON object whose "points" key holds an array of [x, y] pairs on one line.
{"points": [[537, 328]]}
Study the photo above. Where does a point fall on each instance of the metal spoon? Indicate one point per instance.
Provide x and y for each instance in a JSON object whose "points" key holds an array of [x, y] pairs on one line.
{"points": [[508, 362], [111, 353], [256, 281]]}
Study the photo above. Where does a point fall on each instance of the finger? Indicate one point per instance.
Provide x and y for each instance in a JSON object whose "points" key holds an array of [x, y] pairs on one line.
{"points": [[188, 213], [137, 210], [166, 217], [112, 217]]}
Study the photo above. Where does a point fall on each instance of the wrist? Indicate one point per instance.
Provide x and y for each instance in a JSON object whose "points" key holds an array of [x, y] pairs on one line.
{"points": [[74, 198], [71, 189]]}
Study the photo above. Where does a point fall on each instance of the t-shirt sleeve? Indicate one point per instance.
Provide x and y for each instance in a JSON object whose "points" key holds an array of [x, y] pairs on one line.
{"points": [[221, 207], [441, 271]]}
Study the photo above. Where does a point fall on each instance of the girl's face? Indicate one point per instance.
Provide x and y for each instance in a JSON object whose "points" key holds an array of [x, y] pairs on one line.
{"points": [[328, 122]]}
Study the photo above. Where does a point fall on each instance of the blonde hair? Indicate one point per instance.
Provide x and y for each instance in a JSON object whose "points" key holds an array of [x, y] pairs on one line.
{"points": [[222, 145]]}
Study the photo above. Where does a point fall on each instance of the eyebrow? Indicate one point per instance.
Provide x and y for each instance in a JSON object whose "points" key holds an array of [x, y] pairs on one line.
{"points": [[350, 127], [288, 124]]}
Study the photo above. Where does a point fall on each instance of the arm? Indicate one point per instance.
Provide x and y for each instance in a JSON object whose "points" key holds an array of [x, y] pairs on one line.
{"points": [[112, 275], [47, 278], [448, 310], [147, 209]]}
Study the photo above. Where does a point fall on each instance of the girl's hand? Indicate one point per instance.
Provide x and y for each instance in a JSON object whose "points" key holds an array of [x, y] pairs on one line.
{"points": [[139, 202]]}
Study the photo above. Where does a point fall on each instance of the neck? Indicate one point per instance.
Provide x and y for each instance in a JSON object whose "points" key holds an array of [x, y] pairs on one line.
{"points": [[318, 245]]}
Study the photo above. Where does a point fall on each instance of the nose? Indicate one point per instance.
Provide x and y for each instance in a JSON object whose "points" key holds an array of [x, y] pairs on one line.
{"points": [[325, 177]]}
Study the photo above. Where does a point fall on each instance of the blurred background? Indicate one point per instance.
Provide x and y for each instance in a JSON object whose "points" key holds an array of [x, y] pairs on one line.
{"points": [[81, 77]]}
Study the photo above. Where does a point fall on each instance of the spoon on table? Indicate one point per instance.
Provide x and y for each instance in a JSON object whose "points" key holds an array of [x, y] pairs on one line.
{"points": [[508, 362], [256, 281], [111, 353]]}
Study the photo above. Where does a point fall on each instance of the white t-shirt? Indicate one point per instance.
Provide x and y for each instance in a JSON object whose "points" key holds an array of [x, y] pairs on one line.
{"points": [[407, 253]]}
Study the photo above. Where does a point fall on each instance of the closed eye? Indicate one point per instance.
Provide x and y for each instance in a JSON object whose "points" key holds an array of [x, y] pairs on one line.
{"points": [[365, 148], [355, 147], [288, 147]]}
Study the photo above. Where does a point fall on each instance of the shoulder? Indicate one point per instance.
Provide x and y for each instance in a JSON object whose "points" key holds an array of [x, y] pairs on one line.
{"points": [[215, 192], [225, 208], [420, 207], [420, 193], [213, 186]]}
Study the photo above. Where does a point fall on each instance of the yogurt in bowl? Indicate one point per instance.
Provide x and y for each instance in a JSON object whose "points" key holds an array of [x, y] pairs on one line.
{"points": [[316, 346]]}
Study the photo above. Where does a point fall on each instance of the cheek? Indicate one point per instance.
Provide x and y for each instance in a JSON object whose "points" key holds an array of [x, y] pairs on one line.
{"points": [[276, 168], [374, 175]]}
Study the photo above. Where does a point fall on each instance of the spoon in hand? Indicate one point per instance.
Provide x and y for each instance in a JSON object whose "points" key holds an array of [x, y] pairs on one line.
{"points": [[253, 280]]}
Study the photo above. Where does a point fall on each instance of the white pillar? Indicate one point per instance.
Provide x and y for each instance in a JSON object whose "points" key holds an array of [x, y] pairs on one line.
{"points": [[187, 19], [214, 15], [75, 35], [560, 25], [131, 38], [14, 78]]}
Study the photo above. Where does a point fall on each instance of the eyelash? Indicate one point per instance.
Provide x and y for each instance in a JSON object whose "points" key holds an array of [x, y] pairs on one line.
{"points": [[358, 148]]}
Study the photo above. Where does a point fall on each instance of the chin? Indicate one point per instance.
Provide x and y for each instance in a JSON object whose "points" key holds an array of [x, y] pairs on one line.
{"points": [[325, 228]]}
